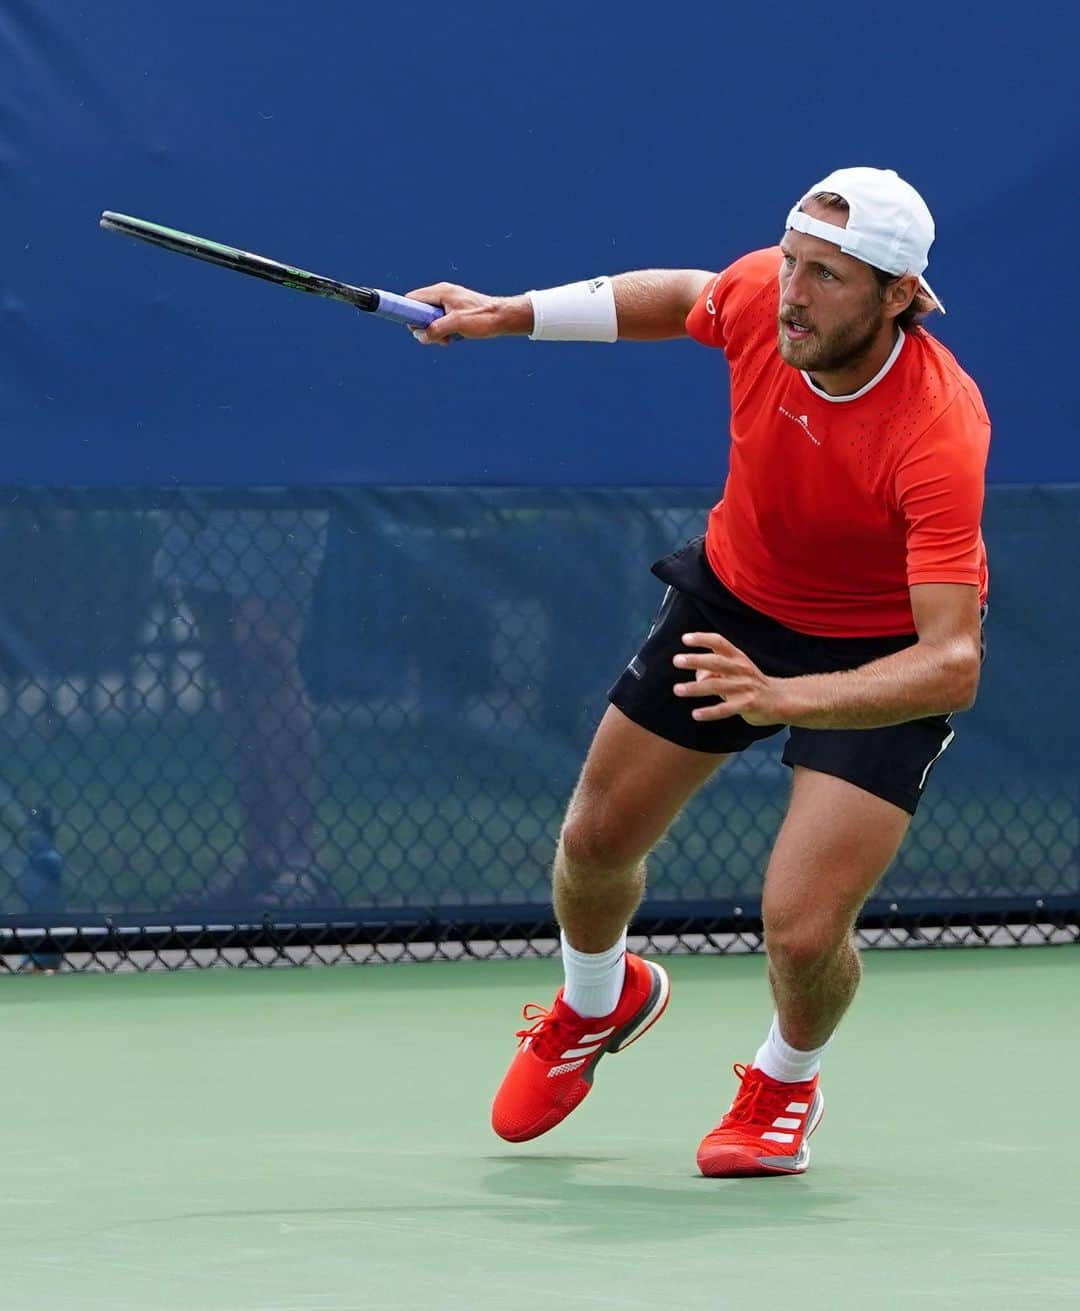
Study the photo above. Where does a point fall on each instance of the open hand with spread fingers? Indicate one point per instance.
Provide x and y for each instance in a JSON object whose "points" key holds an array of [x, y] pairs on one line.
{"points": [[723, 671]]}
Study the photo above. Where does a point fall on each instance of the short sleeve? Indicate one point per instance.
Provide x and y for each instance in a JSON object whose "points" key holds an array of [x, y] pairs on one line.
{"points": [[940, 485], [719, 316]]}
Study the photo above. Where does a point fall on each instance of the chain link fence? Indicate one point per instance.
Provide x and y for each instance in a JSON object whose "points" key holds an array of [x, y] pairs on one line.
{"points": [[282, 726]]}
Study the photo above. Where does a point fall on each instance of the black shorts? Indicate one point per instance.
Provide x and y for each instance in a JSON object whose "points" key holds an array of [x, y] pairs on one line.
{"points": [[893, 763]]}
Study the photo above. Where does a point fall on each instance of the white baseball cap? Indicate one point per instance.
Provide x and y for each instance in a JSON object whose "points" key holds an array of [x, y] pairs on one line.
{"points": [[888, 226]]}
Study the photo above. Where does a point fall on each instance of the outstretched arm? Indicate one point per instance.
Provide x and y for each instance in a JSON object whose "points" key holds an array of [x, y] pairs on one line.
{"points": [[650, 305]]}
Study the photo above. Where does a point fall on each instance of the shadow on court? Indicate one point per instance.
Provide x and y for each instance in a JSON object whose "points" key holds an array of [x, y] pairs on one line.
{"points": [[558, 1192], [554, 1194]]}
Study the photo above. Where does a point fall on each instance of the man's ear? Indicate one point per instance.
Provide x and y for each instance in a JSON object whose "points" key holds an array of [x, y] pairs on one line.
{"points": [[898, 294]]}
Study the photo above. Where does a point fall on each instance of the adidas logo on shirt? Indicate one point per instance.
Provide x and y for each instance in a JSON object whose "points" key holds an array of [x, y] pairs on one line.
{"points": [[803, 421]]}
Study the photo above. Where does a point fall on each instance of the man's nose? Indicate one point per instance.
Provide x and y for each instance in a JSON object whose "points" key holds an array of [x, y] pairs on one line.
{"points": [[796, 290]]}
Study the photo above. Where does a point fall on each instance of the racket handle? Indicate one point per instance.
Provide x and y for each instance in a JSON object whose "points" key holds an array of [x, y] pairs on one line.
{"points": [[403, 310]]}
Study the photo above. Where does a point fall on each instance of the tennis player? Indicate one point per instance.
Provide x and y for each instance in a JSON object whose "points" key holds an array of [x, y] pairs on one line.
{"points": [[837, 593]]}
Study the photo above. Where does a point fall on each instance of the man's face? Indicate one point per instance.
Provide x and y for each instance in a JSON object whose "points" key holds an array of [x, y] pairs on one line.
{"points": [[831, 311]]}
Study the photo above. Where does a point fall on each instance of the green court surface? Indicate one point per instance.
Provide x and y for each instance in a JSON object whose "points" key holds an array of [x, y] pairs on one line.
{"points": [[317, 1140]]}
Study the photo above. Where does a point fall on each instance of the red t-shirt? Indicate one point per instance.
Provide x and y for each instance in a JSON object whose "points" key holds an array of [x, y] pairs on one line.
{"points": [[834, 506]]}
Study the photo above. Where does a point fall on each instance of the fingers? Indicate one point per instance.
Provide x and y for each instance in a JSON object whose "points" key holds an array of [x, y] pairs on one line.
{"points": [[439, 332], [471, 322], [729, 700], [711, 664], [445, 295], [439, 293], [720, 656], [703, 686], [713, 641], [454, 323], [422, 336], [722, 710], [721, 670]]}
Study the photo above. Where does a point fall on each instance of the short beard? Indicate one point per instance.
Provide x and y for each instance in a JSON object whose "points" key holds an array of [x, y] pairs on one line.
{"points": [[844, 348]]}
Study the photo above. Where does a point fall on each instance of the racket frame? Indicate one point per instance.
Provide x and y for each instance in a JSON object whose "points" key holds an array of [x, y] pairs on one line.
{"points": [[370, 300]]}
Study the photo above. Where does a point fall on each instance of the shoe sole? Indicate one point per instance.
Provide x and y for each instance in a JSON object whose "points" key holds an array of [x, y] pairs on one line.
{"points": [[737, 1163]]}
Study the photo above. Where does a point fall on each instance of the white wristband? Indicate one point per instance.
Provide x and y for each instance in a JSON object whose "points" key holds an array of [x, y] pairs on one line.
{"points": [[580, 311]]}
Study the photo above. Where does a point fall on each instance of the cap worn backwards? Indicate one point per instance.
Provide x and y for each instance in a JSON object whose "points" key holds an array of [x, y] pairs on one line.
{"points": [[889, 225]]}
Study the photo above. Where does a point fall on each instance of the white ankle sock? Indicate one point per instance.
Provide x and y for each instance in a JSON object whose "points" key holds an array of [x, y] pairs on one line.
{"points": [[594, 981], [787, 1064]]}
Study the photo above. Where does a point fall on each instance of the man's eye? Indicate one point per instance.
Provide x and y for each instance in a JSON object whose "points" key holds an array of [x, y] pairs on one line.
{"points": [[826, 274]]}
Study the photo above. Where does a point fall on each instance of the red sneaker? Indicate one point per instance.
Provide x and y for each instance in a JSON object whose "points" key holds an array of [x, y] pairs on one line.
{"points": [[766, 1131], [557, 1055]]}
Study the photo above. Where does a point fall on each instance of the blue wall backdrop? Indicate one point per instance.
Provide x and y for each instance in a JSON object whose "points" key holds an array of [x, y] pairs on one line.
{"points": [[503, 146]]}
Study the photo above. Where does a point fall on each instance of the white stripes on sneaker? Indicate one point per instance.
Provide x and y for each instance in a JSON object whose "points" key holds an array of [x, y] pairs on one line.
{"points": [[575, 1057], [590, 1042], [598, 1037], [796, 1114], [564, 1069]]}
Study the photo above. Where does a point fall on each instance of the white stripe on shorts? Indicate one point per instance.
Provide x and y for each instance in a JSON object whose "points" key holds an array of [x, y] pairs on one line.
{"points": [[948, 740]]}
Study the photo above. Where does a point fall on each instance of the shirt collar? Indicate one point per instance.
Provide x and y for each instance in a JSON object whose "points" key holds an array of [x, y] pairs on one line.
{"points": [[894, 355]]}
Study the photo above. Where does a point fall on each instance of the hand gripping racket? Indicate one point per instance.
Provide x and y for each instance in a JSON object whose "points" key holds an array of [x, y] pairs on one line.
{"points": [[369, 299]]}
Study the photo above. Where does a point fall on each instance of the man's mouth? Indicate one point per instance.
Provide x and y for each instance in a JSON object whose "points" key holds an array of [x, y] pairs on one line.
{"points": [[795, 330]]}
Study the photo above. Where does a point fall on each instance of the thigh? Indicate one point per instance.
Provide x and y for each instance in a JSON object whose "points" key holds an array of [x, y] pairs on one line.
{"points": [[835, 843], [632, 786]]}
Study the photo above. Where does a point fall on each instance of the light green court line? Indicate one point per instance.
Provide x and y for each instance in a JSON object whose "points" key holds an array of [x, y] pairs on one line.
{"points": [[317, 1140]]}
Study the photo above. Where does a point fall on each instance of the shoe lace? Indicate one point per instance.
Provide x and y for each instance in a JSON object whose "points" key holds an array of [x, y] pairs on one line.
{"points": [[756, 1100], [539, 1017], [545, 1029]]}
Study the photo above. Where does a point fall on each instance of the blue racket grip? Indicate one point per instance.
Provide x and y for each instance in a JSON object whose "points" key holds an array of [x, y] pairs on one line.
{"points": [[403, 310]]}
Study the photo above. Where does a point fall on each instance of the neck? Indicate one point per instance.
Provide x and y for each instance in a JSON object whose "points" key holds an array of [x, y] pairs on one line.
{"points": [[842, 382]]}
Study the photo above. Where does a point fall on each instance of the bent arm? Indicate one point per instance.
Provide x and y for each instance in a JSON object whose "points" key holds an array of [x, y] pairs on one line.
{"points": [[939, 674]]}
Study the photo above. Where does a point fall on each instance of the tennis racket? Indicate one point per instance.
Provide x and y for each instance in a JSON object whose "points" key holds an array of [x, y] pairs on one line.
{"points": [[385, 304]]}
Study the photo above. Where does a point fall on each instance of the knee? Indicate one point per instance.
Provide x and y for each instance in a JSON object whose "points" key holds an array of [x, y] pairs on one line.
{"points": [[799, 946], [597, 839]]}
